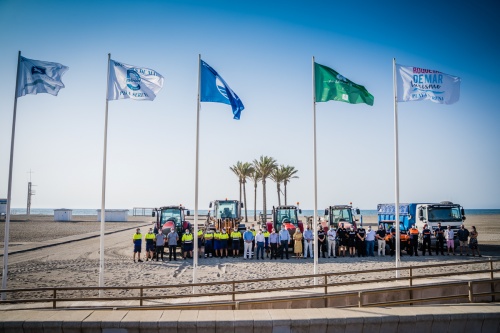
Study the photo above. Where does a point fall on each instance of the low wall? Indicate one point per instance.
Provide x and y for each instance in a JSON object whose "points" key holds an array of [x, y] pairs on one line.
{"points": [[446, 318], [385, 295]]}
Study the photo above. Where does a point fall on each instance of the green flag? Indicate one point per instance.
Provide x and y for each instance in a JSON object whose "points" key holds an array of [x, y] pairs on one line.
{"points": [[330, 85]]}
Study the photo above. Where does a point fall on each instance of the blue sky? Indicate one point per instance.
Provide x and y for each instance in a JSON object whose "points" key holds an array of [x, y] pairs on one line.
{"points": [[263, 50]]}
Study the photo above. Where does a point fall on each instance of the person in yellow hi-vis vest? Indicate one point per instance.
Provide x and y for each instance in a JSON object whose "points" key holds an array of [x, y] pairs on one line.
{"points": [[187, 244], [150, 244], [209, 242], [224, 237], [236, 236], [137, 240], [217, 247], [200, 241], [266, 240]]}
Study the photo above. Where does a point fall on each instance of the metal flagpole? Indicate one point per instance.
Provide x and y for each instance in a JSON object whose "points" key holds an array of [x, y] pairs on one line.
{"points": [[103, 205], [396, 166], [9, 190], [315, 214], [195, 232]]}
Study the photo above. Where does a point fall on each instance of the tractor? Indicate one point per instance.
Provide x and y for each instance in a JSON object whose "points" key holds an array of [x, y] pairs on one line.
{"points": [[169, 217], [226, 214], [334, 215], [287, 216]]}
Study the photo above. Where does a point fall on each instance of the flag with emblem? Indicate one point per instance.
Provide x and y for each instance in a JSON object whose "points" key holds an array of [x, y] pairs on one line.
{"points": [[35, 77], [418, 84], [331, 86], [127, 81], [215, 89]]}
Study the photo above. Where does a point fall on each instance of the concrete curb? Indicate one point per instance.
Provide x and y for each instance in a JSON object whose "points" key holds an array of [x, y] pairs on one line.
{"points": [[481, 317], [71, 239]]}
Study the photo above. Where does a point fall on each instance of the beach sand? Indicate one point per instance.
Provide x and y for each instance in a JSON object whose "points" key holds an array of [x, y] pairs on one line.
{"points": [[77, 263]]}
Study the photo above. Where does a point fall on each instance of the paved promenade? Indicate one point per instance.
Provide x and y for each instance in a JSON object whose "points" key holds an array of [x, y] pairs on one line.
{"points": [[443, 318], [30, 246]]}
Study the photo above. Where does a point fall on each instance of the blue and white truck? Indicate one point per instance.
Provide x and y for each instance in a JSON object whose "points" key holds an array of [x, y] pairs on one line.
{"points": [[447, 213]]}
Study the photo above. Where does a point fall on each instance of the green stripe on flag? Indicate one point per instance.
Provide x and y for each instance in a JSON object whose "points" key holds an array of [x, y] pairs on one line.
{"points": [[331, 86]]}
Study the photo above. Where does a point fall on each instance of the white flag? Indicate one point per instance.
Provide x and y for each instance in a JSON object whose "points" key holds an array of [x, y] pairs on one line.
{"points": [[126, 81], [416, 84], [37, 76]]}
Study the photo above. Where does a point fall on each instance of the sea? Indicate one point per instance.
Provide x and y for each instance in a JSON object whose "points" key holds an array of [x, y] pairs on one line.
{"points": [[148, 211]]}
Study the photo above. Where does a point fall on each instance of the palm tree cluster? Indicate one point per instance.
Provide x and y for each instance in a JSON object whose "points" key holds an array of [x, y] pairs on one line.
{"points": [[260, 170]]}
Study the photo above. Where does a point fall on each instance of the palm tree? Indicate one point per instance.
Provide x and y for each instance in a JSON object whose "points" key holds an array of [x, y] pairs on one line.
{"points": [[236, 169], [243, 171], [255, 176], [264, 166], [246, 171], [288, 174], [278, 176]]}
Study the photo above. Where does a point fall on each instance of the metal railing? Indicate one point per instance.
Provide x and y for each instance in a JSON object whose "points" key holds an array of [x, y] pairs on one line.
{"points": [[469, 296], [142, 211], [237, 290]]}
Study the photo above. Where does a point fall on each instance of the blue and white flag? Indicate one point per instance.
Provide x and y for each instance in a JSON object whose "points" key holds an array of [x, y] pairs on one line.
{"points": [[126, 81], [37, 76], [416, 84], [215, 89]]}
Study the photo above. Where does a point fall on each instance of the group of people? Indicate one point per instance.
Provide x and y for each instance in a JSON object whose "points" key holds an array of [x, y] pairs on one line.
{"points": [[155, 244], [467, 240], [331, 243], [272, 244], [410, 240]]}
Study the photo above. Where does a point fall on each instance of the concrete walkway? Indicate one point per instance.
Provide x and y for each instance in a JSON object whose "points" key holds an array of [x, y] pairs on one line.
{"points": [[444, 318], [20, 248]]}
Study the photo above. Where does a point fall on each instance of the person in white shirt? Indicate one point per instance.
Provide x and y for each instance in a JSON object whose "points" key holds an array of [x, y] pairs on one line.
{"points": [[247, 238], [308, 242], [370, 242], [284, 240], [449, 235], [332, 244], [380, 235], [259, 240]]}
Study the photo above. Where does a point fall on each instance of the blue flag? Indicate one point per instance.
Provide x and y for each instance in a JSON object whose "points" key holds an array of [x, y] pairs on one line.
{"points": [[37, 77], [215, 89]]}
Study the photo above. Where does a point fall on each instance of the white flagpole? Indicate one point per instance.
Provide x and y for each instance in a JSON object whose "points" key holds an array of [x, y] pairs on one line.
{"points": [[9, 190], [315, 214], [103, 196], [195, 230], [396, 173]]}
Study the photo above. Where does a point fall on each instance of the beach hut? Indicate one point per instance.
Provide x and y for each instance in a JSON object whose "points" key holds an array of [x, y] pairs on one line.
{"points": [[3, 208], [113, 215], [63, 215]]}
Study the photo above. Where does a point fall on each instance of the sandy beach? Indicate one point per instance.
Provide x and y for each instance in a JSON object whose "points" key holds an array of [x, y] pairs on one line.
{"points": [[77, 263]]}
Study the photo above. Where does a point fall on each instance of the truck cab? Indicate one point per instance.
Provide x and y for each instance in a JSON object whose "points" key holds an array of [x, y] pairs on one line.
{"points": [[225, 214], [287, 216], [419, 214], [334, 215], [446, 213], [169, 217]]}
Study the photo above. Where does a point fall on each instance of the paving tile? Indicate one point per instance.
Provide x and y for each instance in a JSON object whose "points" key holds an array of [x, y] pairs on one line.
{"points": [[187, 321], [168, 321], [206, 321], [262, 322], [300, 322], [224, 321], [100, 320]]}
